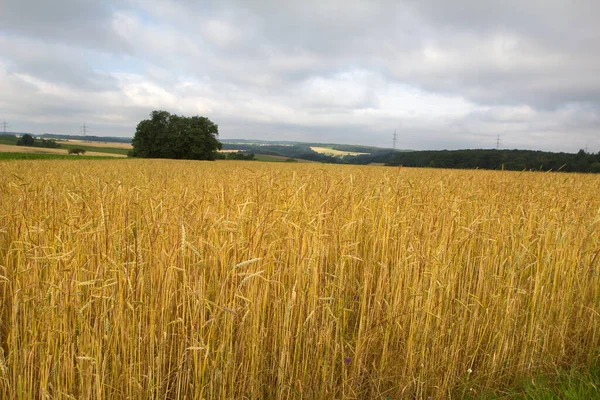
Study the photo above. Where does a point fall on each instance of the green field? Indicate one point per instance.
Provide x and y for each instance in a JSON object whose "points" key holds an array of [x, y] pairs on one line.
{"points": [[8, 140], [108, 150], [572, 384]]}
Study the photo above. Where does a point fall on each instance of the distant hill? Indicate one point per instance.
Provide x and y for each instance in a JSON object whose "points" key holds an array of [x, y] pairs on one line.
{"points": [[110, 139], [515, 160], [301, 150], [335, 146]]}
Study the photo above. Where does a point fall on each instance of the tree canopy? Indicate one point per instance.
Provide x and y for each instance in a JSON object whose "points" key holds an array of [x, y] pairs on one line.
{"points": [[26, 140], [76, 150], [167, 135]]}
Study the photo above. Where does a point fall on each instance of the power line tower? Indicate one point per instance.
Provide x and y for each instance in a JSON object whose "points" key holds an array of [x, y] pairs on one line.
{"points": [[4, 126], [84, 129], [395, 140], [498, 142]]}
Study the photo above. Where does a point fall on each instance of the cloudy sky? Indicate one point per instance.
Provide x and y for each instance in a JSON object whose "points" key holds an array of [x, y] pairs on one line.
{"points": [[444, 74]]}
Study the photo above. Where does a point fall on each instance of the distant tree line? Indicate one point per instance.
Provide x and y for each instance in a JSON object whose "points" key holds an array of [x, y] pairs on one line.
{"points": [[514, 160], [87, 138], [238, 155], [29, 140]]}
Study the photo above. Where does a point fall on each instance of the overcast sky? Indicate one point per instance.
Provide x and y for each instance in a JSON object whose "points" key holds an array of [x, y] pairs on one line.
{"points": [[444, 74]]}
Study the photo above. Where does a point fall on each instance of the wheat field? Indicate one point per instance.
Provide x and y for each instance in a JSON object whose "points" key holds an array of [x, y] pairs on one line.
{"points": [[155, 279]]}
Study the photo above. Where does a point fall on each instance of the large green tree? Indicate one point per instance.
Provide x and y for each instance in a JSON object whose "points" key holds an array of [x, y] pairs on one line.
{"points": [[26, 140], [167, 135]]}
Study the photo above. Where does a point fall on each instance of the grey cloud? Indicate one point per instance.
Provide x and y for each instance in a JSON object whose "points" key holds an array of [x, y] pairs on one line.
{"points": [[85, 23], [54, 63], [331, 70], [538, 53]]}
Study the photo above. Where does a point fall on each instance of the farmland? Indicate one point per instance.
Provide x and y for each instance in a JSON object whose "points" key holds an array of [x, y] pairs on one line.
{"points": [[110, 145], [8, 144], [332, 152], [181, 279], [41, 150]]}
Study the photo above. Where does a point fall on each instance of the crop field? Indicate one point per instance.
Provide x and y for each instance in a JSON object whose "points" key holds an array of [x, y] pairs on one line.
{"points": [[155, 279], [4, 148], [336, 153], [110, 145]]}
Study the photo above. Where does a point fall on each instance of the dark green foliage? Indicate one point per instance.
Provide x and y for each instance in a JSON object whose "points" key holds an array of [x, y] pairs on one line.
{"points": [[240, 155], [77, 150], [26, 140], [264, 158], [51, 144], [8, 139], [514, 160], [167, 135], [29, 140]]}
